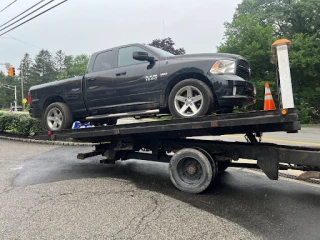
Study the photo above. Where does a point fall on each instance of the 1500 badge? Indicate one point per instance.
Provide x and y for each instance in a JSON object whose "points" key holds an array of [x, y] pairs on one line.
{"points": [[151, 78]]}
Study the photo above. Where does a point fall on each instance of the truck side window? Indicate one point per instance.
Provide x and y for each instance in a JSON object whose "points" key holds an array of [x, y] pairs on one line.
{"points": [[104, 61], [125, 56]]}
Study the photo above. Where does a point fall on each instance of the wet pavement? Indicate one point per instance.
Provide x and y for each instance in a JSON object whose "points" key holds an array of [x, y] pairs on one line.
{"points": [[270, 209]]}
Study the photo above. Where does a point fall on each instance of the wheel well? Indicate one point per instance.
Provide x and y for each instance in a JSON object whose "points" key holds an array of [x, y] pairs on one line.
{"points": [[50, 100], [184, 76]]}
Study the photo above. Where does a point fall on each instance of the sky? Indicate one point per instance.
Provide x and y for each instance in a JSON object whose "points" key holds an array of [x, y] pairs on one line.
{"points": [[87, 26]]}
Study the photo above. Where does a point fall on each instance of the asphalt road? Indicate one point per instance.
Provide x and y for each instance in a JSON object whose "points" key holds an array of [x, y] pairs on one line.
{"points": [[46, 193], [307, 136]]}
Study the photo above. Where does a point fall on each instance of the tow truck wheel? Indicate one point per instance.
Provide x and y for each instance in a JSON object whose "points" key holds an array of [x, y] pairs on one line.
{"points": [[57, 116], [191, 170], [190, 98]]}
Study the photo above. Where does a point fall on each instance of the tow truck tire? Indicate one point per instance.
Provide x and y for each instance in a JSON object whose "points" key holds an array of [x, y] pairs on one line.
{"points": [[182, 105], [191, 170], [57, 117]]}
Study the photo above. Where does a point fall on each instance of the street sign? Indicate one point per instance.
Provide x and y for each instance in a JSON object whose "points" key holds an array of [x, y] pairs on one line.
{"points": [[7, 65], [24, 100]]}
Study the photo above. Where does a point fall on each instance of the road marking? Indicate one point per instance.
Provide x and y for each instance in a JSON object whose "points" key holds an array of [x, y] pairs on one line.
{"points": [[280, 140]]}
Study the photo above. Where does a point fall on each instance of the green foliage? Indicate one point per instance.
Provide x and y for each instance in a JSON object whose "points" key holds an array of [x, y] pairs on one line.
{"points": [[257, 24], [44, 68], [7, 95], [167, 44], [304, 113], [20, 124]]}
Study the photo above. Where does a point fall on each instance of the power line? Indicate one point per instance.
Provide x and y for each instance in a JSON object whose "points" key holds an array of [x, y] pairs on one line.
{"points": [[23, 41], [27, 15], [33, 17], [23, 12], [8, 6]]}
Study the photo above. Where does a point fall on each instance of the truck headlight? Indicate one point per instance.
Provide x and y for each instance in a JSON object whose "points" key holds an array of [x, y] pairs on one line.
{"points": [[223, 66]]}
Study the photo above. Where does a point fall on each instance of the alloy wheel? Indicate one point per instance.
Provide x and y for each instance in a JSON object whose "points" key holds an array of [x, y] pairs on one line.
{"points": [[188, 101]]}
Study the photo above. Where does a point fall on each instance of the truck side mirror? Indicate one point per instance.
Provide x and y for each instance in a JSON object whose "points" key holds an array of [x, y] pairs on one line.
{"points": [[142, 56]]}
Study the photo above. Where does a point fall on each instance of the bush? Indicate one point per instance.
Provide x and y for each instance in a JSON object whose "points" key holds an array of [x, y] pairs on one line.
{"points": [[305, 112], [19, 124]]}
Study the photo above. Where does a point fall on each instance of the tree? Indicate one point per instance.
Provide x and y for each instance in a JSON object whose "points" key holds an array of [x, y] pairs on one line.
{"points": [[79, 65], [167, 44], [43, 69], [59, 61], [74, 66], [257, 23], [246, 37], [7, 95], [25, 67]]}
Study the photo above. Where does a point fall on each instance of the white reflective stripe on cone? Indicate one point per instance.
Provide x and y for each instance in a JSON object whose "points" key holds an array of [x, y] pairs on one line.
{"points": [[268, 98], [268, 90]]}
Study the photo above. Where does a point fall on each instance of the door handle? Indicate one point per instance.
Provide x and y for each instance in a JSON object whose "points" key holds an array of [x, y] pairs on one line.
{"points": [[91, 79], [120, 74]]}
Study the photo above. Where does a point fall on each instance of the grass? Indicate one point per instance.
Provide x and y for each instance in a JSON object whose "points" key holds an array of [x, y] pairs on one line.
{"points": [[311, 125]]}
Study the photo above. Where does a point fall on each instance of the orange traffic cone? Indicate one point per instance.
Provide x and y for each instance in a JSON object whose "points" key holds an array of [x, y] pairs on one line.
{"points": [[268, 100]]}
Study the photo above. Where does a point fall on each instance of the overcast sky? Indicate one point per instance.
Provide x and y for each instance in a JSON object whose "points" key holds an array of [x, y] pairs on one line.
{"points": [[86, 26]]}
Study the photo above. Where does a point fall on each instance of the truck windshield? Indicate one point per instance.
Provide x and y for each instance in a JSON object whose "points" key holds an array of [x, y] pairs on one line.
{"points": [[160, 52]]}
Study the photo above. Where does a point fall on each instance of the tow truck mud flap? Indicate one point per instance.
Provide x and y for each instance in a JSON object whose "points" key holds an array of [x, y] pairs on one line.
{"points": [[269, 163]]}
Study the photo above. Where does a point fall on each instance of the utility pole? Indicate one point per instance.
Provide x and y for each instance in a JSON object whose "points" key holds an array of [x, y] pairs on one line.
{"points": [[21, 79], [15, 99]]}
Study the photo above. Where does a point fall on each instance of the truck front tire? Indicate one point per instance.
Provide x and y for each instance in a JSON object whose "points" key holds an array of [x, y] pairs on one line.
{"points": [[190, 98], [57, 117]]}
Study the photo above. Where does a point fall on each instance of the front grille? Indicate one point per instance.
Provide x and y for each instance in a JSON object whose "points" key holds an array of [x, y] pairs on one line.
{"points": [[243, 69]]}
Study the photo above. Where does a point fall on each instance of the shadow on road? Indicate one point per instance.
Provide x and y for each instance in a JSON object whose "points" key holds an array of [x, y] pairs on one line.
{"points": [[264, 207]]}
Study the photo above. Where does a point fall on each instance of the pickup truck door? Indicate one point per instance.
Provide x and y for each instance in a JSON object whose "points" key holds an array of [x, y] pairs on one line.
{"points": [[135, 82], [99, 83]]}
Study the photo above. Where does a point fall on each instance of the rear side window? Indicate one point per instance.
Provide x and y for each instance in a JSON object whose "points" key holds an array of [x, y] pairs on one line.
{"points": [[104, 61], [125, 56]]}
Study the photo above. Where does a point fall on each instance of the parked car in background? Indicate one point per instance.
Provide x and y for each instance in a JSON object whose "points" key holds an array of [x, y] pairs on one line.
{"points": [[138, 79], [19, 108]]}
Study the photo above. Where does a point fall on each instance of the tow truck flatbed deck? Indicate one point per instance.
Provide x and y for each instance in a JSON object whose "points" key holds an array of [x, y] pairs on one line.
{"points": [[235, 123]]}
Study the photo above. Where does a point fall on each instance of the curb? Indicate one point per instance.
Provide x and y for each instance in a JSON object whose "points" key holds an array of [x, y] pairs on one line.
{"points": [[61, 143]]}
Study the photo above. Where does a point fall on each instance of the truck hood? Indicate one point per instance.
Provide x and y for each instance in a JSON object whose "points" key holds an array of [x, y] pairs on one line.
{"points": [[56, 83]]}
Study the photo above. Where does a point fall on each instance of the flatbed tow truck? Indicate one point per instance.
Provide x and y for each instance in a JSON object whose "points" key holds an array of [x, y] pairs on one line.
{"points": [[194, 164]]}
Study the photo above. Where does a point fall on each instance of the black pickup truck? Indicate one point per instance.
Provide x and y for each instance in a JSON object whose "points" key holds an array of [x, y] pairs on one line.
{"points": [[138, 79]]}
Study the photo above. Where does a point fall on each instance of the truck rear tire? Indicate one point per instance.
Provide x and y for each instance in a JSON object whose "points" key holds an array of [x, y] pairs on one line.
{"points": [[190, 98], [191, 170], [57, 117]]}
